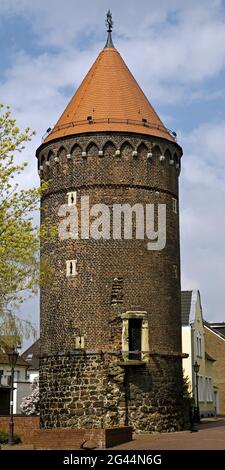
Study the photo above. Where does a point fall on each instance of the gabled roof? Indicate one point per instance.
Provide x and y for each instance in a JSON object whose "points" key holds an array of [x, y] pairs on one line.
{"points": [[31, 355], [186, 296], [20, 361], [219, 327], [214, 330], [109, 99]]}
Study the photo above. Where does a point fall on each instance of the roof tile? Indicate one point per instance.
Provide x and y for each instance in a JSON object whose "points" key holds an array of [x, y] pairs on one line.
{"points": [[110, 95]]}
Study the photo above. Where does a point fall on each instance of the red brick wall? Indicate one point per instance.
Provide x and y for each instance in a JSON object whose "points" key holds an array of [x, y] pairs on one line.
{"points": [[27, 427], [59, 438], [151, 278], [24, 426]]}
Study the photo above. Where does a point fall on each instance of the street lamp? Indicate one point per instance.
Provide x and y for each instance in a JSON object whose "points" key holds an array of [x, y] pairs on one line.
{"points": [[12, 357], [196, 367]]}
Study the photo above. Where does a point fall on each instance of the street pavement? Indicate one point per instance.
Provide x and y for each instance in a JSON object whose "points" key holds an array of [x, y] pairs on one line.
{"points": [[209, 435]]}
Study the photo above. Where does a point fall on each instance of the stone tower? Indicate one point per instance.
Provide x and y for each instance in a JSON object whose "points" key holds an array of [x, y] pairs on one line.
{"points": [[110, 317]]}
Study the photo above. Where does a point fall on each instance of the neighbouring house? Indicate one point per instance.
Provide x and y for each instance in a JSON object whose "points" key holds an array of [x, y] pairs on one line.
{"points": [[31, 356], [215, 344], [22, 386], [202, 386], [219, 327]]}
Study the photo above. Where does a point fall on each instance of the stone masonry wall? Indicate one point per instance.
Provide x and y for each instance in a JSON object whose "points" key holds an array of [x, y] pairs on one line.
{"points": [[72, 388], [93, 391]]}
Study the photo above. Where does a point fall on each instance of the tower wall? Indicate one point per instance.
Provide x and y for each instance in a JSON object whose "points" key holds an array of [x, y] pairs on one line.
{"points": [[97, 385]]}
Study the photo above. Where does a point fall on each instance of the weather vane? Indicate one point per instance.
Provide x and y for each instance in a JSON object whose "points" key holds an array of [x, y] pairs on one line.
{"points": [[109, 21]]}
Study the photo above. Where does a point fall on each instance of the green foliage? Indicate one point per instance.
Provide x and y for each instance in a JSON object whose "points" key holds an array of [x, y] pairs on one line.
{"points": [[19, 237], [4, 438], [186, 388], [187, 403]]}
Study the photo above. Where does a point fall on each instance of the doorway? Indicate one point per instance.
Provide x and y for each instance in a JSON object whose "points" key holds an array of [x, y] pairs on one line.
{"points": [[135, 338], [4, 400]]}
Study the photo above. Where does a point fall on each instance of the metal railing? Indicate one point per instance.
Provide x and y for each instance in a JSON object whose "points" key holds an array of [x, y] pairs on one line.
{"points": [[91, 121]]}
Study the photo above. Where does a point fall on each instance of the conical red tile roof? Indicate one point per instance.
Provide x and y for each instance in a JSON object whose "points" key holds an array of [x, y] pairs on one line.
{"points": [[109, 99]]}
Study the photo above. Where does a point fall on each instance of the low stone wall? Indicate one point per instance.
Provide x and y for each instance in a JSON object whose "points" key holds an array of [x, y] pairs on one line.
{"points": [[24, 426]]}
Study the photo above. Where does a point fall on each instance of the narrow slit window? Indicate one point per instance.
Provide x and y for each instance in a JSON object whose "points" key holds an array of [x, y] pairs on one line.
{"points": [[79, 342], [174, 205], [71, 268], [72, 198]]}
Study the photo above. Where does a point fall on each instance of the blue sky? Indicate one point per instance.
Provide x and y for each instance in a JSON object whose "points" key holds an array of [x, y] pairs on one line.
{"points": [[176, 51]]}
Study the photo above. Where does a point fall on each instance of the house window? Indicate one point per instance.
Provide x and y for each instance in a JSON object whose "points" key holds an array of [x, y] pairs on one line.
{"points": [[71, 267], [29, 357], [17, 375], [200, 387], [209, 391], [174, 205], [199, 345], [72, 198]]}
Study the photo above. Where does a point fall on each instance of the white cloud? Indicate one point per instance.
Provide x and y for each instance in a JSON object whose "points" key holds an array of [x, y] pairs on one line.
{"points": [[202, 215], [211, 137], [34, 89], [181, 41]]}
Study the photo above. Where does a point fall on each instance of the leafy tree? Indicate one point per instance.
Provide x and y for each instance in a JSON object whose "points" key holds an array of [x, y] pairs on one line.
{"points": [[186, 387], [188, 402], [19, 236]]}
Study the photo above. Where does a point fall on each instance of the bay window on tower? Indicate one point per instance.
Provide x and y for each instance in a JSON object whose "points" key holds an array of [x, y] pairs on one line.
{"points": [[135, 340]]}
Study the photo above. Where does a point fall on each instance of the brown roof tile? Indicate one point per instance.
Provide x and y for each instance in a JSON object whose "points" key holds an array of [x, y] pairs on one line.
{"points": [[185, 306], [31, 355], [20, 361], [110, 95]]}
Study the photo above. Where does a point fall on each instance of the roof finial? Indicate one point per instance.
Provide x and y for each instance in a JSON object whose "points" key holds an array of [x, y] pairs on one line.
{"points": [[109, 21], [109, 25]]}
